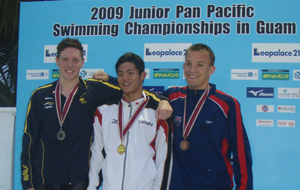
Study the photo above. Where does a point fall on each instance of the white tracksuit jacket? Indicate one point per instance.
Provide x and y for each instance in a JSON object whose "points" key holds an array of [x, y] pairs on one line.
{"points": [[146, 163]]}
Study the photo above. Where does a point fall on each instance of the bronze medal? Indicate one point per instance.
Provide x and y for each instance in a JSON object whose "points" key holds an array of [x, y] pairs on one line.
{"points": [[188, 125], [184, 145], [121, 149]]}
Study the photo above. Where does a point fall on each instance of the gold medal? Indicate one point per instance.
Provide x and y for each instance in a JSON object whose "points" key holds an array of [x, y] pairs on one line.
{"points": [[123, 130], [121, 149], [184, 145]]}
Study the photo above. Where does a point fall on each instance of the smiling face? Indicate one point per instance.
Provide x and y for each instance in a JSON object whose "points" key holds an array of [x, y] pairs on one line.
{"points": [[130, 81], [197, 69], [69, 62]]}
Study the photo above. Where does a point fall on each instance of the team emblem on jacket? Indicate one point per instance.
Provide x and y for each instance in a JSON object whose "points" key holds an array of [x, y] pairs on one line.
{"points": [[25, 173], [82, 100], [48, 105], [48, 98], [143, 122], [208, 122], [177, 120]]}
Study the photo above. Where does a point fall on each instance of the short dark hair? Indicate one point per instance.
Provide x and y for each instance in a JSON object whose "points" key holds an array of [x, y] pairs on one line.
{"points": [[133, 58], [69, 42], [202, 47]]}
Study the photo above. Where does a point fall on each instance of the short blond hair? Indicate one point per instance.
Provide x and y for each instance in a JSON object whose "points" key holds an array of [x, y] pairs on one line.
{"points": [[202, 47]]}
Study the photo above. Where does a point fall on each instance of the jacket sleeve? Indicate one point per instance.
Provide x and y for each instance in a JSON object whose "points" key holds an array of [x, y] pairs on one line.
{"points": [[113, 80], [97, 156], [166, 93], [242, 159], [105, 92], [163, 154], [30, 142], [156, 95]]}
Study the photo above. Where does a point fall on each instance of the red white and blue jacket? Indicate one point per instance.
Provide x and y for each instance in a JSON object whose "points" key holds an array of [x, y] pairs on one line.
{"points": [[218, 144]]}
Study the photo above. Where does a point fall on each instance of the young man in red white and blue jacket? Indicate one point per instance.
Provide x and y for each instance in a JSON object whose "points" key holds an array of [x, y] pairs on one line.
{"points": [[210, 144]]}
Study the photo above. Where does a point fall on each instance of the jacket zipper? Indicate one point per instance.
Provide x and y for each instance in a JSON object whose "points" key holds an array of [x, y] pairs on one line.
{"points": [[124, 163]]}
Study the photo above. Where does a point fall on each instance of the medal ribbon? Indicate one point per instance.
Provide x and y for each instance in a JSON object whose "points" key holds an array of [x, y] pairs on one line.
{"points": [[187, 127], [67, 104], [132, 119]]}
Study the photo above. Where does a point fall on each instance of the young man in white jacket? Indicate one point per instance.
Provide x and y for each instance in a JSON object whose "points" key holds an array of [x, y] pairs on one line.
{"points": [[131, 148]]}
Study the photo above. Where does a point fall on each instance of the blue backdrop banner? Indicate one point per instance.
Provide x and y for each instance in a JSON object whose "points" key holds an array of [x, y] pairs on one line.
{"points": [[257, 48]]}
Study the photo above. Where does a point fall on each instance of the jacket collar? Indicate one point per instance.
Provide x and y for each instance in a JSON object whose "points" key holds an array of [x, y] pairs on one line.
{"points": [[81, 89]]}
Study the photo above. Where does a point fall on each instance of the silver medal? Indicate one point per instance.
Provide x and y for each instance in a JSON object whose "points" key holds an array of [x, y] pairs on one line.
{"points": [[61, 135]]}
